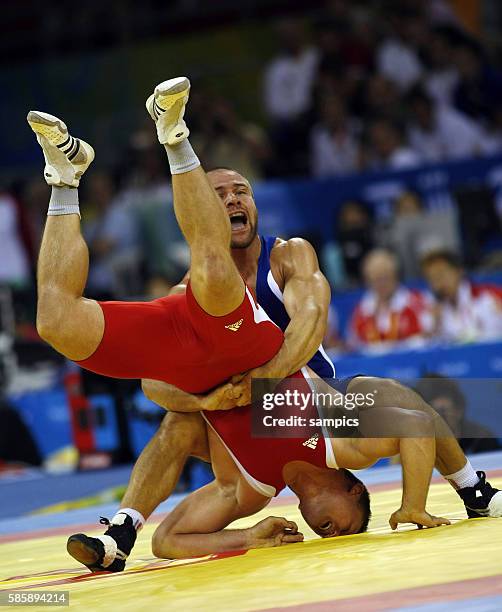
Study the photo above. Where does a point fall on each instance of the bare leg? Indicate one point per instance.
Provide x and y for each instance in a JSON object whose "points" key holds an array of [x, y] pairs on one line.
{"points": [[214, 279], [216, 284], [450, 458], [158, 468], [72, 324]]}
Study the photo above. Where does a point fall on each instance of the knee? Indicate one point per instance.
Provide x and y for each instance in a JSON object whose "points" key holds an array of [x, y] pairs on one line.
{"points": [[212, 264], [178, 432], [162, 547], [49, 318]]}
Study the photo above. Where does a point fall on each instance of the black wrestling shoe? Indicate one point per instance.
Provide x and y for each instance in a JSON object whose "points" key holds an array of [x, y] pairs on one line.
{"points": [[482, 499], [106, 553]]}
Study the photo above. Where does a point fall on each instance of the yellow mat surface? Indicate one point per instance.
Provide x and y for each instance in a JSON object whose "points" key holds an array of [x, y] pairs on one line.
{"points": [[314, 571]]}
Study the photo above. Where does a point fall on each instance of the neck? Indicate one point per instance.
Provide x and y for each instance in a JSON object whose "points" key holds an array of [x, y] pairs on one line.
{"points": [[300, 476], [247, 259]]}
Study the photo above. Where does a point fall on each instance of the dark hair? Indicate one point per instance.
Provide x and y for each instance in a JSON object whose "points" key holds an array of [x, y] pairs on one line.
{"points": [[441, 255], [418, 94], [364, 502]]}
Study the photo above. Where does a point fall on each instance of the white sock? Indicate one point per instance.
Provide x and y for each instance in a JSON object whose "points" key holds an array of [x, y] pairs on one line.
{"points": [[137, 518], [64, 201], [466, 477], [182, 157]]}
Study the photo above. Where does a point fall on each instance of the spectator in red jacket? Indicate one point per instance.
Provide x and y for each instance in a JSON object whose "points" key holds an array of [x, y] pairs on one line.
{"points": [[388, 313], [464, 311]]}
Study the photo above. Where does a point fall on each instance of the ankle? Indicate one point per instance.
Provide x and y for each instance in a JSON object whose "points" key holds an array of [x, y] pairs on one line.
{"points": [[64, 201], [182, 157]]}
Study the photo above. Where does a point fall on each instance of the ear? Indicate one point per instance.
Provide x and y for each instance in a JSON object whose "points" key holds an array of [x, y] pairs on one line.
{"points": [[357, 489]]}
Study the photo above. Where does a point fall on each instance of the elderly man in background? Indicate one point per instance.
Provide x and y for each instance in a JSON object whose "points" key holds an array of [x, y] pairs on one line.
{"points": [[388, 312]]}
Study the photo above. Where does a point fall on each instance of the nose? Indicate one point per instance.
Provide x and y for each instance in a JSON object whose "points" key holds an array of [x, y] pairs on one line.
{"points": [[231, 199]]}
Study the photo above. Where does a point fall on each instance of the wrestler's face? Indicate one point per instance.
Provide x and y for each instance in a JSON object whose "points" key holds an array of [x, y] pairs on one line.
{"points": [[237, 196], [333, 513]]}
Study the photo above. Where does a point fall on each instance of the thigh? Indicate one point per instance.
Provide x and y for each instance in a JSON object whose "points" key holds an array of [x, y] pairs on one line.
{"points": [[186, 432], [215, 281], [387, 392], [144, 339]]}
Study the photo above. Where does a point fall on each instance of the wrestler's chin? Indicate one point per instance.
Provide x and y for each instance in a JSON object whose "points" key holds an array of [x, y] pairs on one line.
{"points": [[241, 239]]}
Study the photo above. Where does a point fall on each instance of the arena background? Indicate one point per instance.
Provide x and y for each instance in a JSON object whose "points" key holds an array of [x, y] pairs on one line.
{"points": [[363, 126]]}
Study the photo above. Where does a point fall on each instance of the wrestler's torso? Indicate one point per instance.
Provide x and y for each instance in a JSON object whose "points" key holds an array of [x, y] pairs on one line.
{"points": [[267, 276], [262, 460]]}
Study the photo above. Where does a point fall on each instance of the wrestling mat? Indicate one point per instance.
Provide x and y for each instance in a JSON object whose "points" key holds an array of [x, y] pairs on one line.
{"points": [[453, 567]]}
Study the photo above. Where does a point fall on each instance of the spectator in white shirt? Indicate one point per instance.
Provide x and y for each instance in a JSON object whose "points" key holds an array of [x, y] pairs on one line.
{"points": [[397, 56], [334, 146], [464, 311], [440, 132], [442, 74], [289, 76], [14, 254]]}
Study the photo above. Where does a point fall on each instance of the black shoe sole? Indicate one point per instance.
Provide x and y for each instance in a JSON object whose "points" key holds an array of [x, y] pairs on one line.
{"points": [[81, 548]]}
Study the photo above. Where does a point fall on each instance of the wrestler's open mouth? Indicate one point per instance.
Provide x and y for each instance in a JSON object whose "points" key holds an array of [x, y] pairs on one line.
{"points": [[238, 220]]}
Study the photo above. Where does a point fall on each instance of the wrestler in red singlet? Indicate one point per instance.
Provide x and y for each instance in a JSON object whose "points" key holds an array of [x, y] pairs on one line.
{"points": [[261, 460], [172, 339]]}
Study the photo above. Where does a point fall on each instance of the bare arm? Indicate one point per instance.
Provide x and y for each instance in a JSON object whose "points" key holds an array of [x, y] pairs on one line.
{"points": [[411, 434], [171, 398], [197, 526], [306, 299]]}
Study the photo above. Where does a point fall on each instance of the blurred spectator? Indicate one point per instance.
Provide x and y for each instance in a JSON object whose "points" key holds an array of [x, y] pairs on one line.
{"points": [[15, 245], [388, 149], [289, 76], [442, 74], [397, 57], [113, 240], [334, 147], [288, 86], [354, 236], [447, 399], [149, 195], [413, 229], [224, 141], [380, 99], [36, 195], [479, 89], [388, 312], [464, 311], [438, 132]]}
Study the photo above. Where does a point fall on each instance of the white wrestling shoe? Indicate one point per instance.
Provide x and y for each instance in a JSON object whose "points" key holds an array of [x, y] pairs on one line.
{"points": [[166, 107], [66, 157]]}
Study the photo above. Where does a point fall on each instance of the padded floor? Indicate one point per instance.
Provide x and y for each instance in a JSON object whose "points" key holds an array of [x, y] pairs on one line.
{"points": [[381, 570]]}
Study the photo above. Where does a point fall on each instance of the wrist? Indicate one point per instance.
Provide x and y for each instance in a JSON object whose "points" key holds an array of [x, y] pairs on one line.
{"points": [[248, 537], [408, 506]]}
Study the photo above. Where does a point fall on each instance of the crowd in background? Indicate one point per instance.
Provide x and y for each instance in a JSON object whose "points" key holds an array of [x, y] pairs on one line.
{"points": [[350, 89]]}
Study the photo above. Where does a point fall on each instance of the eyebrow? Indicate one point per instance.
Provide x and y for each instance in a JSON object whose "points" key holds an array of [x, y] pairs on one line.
{"points": [[220, 187]]}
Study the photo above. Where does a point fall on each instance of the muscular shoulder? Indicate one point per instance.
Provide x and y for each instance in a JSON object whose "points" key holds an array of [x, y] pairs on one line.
{"points": [[288, 256]]}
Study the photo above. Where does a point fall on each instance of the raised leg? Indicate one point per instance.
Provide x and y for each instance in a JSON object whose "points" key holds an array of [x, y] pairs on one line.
{"points": [[215, 282], [65, 319]]}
